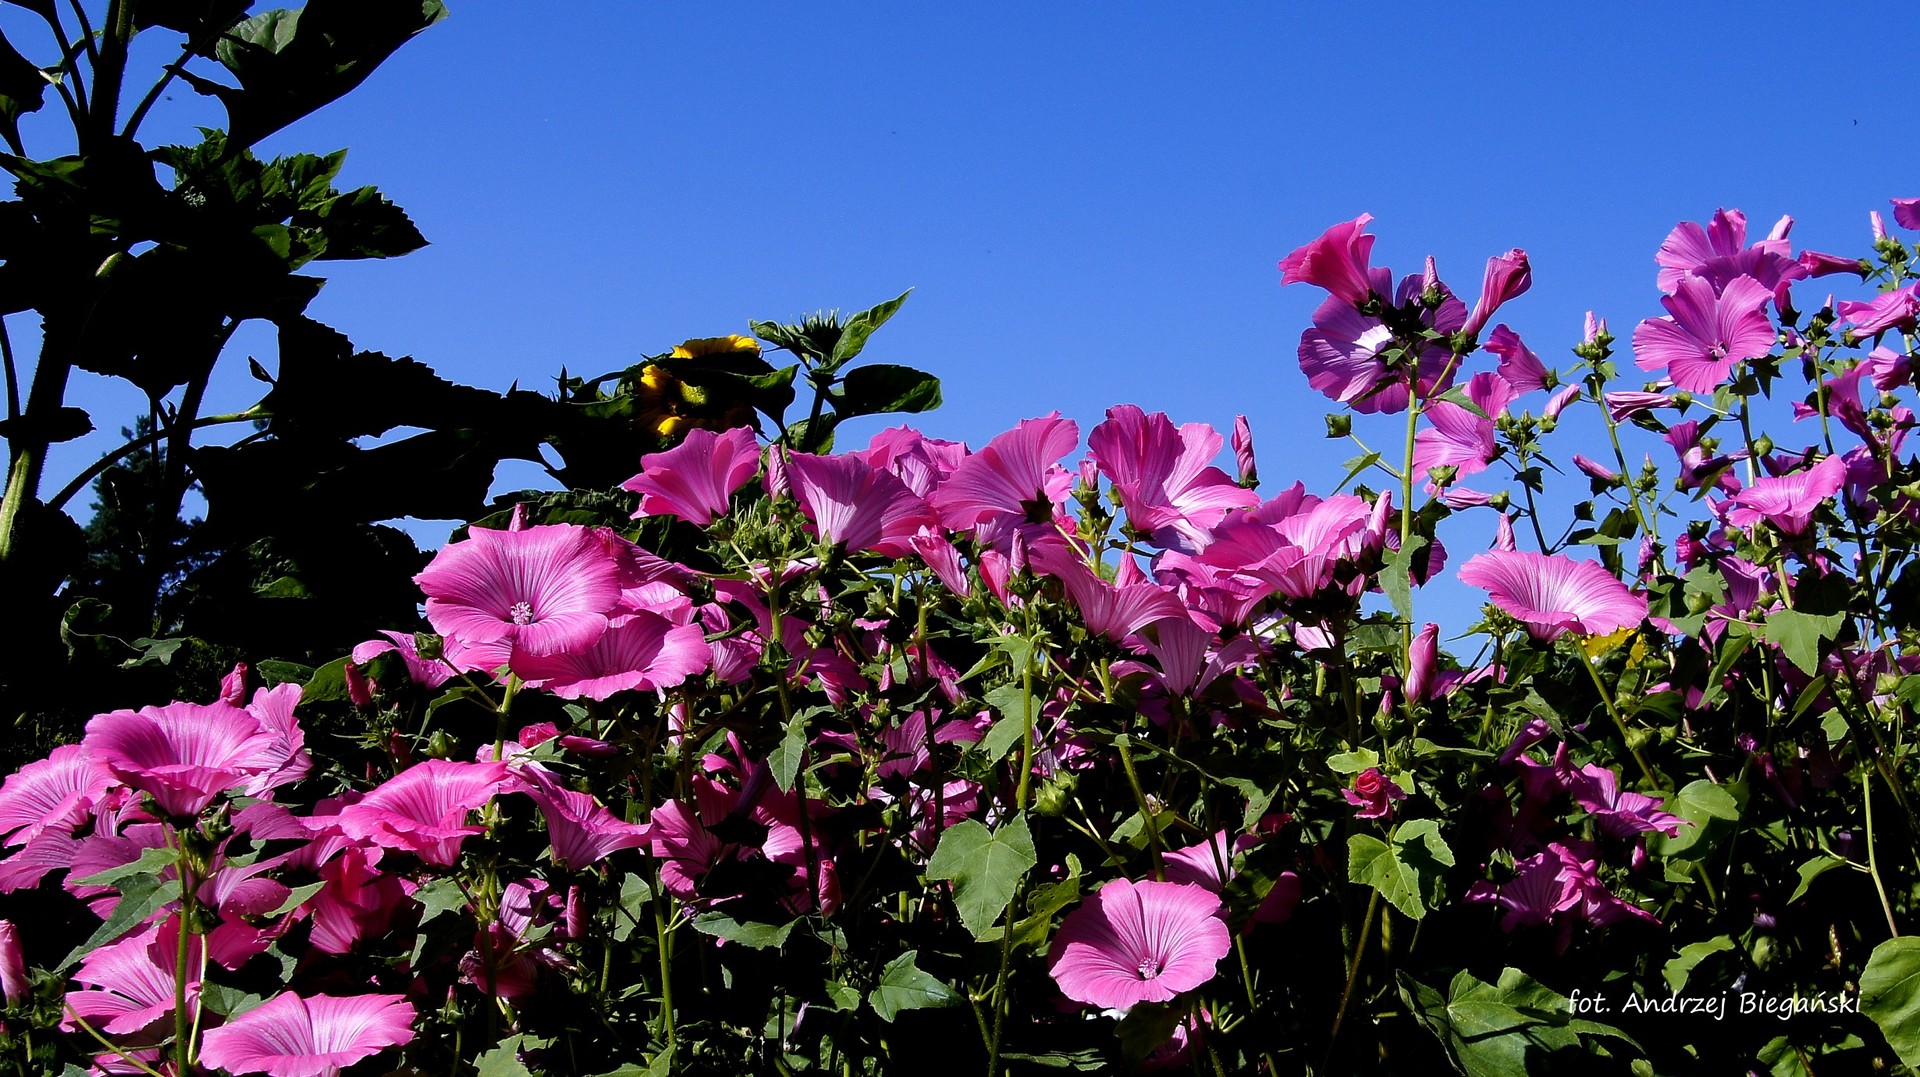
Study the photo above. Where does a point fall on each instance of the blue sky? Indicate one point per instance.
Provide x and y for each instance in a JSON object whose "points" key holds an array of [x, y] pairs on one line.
{"points": [[1088, 199]]}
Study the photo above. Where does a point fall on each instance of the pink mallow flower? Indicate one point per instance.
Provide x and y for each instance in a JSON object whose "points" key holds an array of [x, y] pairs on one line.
{"points": [[1458, 438], [542, 590], [1906, 212], [56, 793], [1164, 476], [1705, 335], [1337, 261], [315, 1036], [424, 673], [1788, 501], [1373, 793], [132, 980], [1719, 254], [639, 651], [14, 983], [1518, 365], [184, 754], [854, 504], [423, 809], [1619, 812], [1508, 276], [1139, 942], [1015, 479], [695, 479], [1343, 355], [1896, 309], [1554, 595]]}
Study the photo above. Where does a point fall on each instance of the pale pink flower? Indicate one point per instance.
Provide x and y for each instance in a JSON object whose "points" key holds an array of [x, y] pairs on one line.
{"points": [[1337, 261], [1508, 276], [316, 1036], [183, 754], [1788, 501], [1705, 334], [695, 480], [1554, 595], [638, 652], [1164, 476], [1139, 942], [1015, 479], [854, 504], [543, 590]]}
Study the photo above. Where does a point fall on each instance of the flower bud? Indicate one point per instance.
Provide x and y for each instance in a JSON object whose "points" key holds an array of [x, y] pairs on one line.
{"points": [[13, 965], [1339, 425]]}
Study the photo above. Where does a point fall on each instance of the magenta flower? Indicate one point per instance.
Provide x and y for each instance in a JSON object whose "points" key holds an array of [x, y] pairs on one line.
{"points": [[1337, 261], [1554, 595], [1139, 942], [857, 505], [1107, 609], [1819, 264], [1210, 864], [1518, 365], [423, 809], [317, 1036], [1788, 501], [357, 902], [1373, 793], [1164, 476], [1243, 452], [695, 479], [1719, 254], [1620, 812], [1705, 335], [1458, 438], [1897, 309], [1508, 276], [55, 793], [133, 980], [1343, 355], [921, 462], [638, 652], [13, 965], [1625, 404], [542, 590], [424, 673], [1016, 479], [583, 831], [183, 754], [1423, 664], [1906, 212]]}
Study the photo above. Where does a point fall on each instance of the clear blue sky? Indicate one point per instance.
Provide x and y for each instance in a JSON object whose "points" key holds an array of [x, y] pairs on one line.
{"points": [[1088, 199]]}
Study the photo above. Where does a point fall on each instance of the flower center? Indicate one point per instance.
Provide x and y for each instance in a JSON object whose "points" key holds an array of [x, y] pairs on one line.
{"points": [[521, 613], [1149, 968]]}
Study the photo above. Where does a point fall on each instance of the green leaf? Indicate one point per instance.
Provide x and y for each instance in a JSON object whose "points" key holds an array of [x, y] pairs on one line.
{"points": [[634, 895], [329, 682], [1000, 739], [1799, 635], [503, 1060], [150, 862], [1016, 709], [856, 330], [1146, 1027], [985, 867], [1504, 1029], [438, 897], [363, 224], [227, 1001], [751, 934], [1353, 762], [785, 759], [1408, 873], [140, 897], [1396, 577], [1677, 970], [845, 997], [903, 986], [297, 897], [882, 388], [1890, 995]]}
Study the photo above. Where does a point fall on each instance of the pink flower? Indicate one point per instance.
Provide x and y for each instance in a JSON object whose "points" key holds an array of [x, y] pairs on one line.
{"points": [[1818, 264], [1788, 501], [1373, 793], [638, 652], [1458, 438], [583, 831], [695, 479], [1622, 813], [1705, 335], [1531, 897], [13, 965], [853, 504], [183, 754], [134, 980], [1594, 469], [1343, 355], [1164, 477], [1243, 452], [1139, 942], [423, 809], [55, 793], [1518, 365], [423, 673], [1559, 401], [357, 902], [1016, 479], [1508, 276], [1107, 609], [1719, 254], [1554, 595], [921, 462], [542, 590], [1625, 404], [1897, 309], [1203, 864], [1337, 261], [1906, 212], [316, 1036], [1423, 663]]}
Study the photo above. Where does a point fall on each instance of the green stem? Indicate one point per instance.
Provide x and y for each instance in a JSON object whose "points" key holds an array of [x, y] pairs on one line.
{"points": [[1000, 985], [1026, 737], [1124, 744], [1606, 697], [1873, 860], [663, 943], [81, 481], [1353, 970]]}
